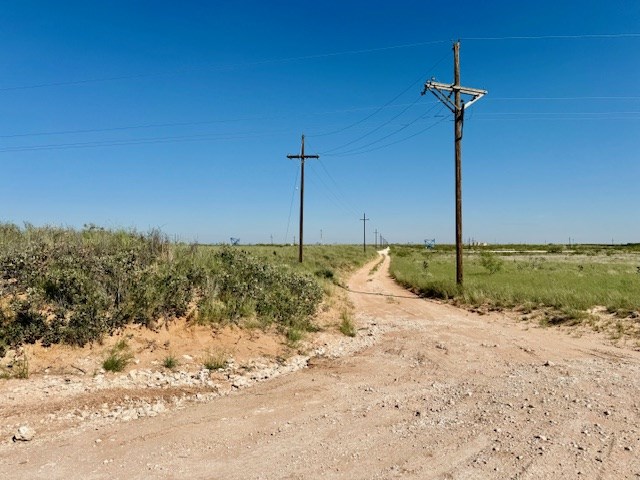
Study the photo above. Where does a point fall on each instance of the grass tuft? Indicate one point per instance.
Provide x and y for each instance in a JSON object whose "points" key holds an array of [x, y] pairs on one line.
{"points": [[170, 362], [118, 358], [347, 327], [215, 360]]}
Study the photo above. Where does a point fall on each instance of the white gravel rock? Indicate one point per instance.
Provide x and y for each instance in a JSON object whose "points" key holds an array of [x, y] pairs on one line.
{"points": [[24, 434]]}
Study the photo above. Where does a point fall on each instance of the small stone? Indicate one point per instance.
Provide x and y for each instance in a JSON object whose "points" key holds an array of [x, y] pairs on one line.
{"points": [[607, 412], [24, 434], [549, 364]]}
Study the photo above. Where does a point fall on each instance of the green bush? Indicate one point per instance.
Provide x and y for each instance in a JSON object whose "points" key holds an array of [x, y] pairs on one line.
{"points": [[491, 262], [75, 287]]}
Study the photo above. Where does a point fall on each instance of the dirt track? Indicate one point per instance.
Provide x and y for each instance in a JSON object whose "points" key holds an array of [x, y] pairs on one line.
{"points": [[443, 394]]}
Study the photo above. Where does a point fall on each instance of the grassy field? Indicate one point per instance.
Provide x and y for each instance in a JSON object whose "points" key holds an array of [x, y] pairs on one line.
{"points": [[60, 285], [566, 282]]}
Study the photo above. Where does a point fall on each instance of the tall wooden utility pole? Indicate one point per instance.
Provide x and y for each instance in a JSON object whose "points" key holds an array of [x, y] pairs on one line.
{"points": [[364, 220], [457, 107], [376, 234], [302, 157]]}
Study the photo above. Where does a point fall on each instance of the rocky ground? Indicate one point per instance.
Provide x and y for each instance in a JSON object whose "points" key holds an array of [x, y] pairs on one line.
{"points": [[424, 390]]}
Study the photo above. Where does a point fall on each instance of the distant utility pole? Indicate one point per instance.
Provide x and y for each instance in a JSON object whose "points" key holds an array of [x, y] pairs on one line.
{"points": [[376, 233], [302, 157], [457, 107], [364, 220]]}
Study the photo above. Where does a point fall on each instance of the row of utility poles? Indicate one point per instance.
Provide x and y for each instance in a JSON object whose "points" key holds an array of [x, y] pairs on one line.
{"points": [[457, 106]]}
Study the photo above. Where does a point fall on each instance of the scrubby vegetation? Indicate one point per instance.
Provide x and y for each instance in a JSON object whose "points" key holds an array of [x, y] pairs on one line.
{"points": [[60, 285], [567, 284], [347, 327]]}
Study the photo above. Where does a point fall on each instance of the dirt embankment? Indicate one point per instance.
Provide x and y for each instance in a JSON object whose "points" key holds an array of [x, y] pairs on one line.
{"points": [[425, 390]]}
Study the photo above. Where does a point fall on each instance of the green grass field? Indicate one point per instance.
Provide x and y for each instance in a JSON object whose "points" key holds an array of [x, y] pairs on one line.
{"points": [[569, 282]]}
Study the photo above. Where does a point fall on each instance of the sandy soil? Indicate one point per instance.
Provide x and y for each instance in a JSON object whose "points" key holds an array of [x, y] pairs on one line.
{"points": [[425, 390]]}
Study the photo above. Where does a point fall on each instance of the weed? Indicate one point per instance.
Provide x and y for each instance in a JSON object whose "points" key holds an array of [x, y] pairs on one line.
{"points": [[21, 367], [216, 360], [376, 266], [118, 358], [347, 327], [294, 335], [170, 362]]}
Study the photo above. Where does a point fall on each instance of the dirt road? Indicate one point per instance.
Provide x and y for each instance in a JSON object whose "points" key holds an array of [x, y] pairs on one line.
{"points": [[443, 393]]}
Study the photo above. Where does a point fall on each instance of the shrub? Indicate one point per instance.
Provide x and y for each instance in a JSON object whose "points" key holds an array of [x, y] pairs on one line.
{"points": [[491, 262], [75, 287]]}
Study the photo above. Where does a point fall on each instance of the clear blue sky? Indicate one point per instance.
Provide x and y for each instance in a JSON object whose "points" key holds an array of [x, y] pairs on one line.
{"points": [[180, 115]]}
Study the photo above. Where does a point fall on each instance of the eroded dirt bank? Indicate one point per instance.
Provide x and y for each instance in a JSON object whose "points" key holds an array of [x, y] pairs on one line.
{"points": [[430, 392]]}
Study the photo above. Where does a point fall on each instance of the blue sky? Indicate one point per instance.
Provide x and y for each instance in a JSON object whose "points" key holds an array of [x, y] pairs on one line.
{"points": [[180, 115]]}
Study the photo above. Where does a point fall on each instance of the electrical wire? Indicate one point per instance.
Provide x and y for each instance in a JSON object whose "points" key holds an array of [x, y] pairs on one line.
{"points": [[327, 192], [404, 139], [418, 79], [217, 67], [303, 57], [293, 194], [141, 141], [421, 117], [335, 197], [186, 124], [372, 131], [339, 190], [556, 37], [559, 98]]}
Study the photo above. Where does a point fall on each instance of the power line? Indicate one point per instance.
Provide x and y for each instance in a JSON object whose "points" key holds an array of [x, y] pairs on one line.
{"points": [[334, 182], [192, 123], [293, 194], [216, 67], [557, 37], [562, 98], [562, 113], [383, 106], [404, 139], [421, 117], [333, 195], [140, 141], [383, 124], [303, 57]]}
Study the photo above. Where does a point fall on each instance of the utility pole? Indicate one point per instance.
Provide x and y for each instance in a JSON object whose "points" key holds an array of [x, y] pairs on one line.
{"points": [[364, 220], [457, 107], [302, 157], [376, 233]]}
